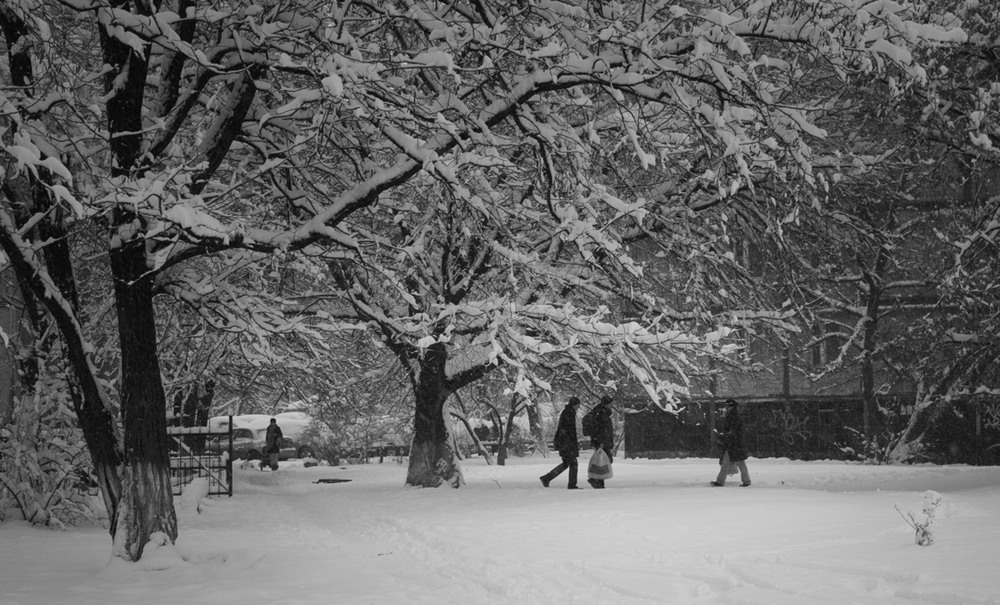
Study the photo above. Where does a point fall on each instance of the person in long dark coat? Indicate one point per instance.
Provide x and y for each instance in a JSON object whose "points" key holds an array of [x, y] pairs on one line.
{"points": [[272, 445], [603, 434], [567, 444], [734, 449]]}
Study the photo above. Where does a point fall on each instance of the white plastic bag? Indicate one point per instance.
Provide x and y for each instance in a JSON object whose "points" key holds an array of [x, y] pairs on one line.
{"points": [[599, 467]]}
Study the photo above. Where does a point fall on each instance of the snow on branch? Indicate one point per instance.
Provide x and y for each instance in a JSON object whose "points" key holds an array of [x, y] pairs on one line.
{"points": [[922, 522], [21, 252]]}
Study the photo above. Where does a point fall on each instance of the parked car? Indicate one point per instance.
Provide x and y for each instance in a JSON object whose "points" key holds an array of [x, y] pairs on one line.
{"points": [[249, 445]]}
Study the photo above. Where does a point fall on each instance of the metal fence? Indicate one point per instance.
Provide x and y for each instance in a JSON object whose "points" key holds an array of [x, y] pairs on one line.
{"points": [[192, 455]]}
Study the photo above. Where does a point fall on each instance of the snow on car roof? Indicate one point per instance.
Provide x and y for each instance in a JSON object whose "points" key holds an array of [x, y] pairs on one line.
{"points": [[292, 423]]}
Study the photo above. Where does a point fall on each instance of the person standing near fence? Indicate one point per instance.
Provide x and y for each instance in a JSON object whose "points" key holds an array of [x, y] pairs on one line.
{"points": [[602, 433], [734, 451], [272, 445], [567, 444]]}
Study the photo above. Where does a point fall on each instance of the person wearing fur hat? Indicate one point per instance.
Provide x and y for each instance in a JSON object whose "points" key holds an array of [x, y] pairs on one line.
{"points": [[567, 444], [734, 452]]}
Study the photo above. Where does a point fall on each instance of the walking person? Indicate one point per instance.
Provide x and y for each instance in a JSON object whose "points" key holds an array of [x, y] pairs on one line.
{"points": [[602, 433], [272, 445], [567, 444], [733, 449]]}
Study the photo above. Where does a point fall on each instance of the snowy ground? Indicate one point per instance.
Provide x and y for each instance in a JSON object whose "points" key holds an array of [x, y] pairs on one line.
{"points": [[805, 532]]}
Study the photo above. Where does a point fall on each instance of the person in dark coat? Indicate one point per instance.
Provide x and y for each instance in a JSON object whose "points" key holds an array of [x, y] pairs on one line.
{"points": [[734, 450], [482, 432], [567, 444], [603, 434], [272, 444]]}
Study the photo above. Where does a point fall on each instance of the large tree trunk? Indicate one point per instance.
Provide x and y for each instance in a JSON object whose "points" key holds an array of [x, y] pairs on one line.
{"points": [[147, 505], [432, 459], [146, 509]]}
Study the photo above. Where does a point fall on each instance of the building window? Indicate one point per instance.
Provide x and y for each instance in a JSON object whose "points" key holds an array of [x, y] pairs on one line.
{"points": [[834, 340], [816, 350], [826, 344]]}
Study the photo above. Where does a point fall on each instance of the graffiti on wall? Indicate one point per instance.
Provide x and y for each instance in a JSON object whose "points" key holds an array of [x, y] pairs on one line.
{"points": [[788, 426], [806, 430], [991, 417], [991, 422]]}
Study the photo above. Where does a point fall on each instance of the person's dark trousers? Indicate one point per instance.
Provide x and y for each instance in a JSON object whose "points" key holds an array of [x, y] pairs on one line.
{"points": [[567, 462], [269, 460]]}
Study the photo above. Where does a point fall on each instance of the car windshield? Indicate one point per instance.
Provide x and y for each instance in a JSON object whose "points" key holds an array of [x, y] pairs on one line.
{"points": [[242, 434]]}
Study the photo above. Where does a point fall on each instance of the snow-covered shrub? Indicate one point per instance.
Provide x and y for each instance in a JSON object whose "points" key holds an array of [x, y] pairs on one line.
{"points": [[325, 446], [193, 494], [922, 522], [356, 437], [874, 450], [44, 462]]}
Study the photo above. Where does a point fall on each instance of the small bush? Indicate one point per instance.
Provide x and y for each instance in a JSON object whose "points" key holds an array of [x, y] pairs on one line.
{"points": [[875, 450], [922, 523]]}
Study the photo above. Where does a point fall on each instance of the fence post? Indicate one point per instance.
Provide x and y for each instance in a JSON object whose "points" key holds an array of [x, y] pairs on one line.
{"points": [[712, 438], [229, 458], [979, 431]]}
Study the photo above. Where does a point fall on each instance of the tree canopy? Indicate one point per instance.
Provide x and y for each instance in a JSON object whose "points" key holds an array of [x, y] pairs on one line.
{"points": [[463, 172]]}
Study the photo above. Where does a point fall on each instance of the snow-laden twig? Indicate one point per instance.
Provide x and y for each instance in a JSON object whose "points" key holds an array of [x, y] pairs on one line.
{"points": [[921, 524]]}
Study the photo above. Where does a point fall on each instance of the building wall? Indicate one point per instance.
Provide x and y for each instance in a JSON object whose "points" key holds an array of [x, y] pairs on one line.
{"points": [[813, 429]]}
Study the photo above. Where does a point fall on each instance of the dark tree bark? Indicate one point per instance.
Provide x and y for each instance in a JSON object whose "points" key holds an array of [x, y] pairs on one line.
{"points": [[535, 425], [432, 458], [874, 280], [147, 500], [192, 410], [11, 320], [146, 507], [204, 404]]}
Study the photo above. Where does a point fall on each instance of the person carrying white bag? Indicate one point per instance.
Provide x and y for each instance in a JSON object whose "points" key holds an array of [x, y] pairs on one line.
{"points": [[598, 426], [599, 469]]}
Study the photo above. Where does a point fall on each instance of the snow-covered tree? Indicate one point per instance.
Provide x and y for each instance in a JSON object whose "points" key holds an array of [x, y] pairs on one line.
{"points": [[866, 259], [961, 113], [905, 172], [245, 132], [708, 119]]}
